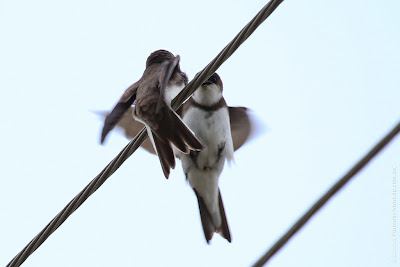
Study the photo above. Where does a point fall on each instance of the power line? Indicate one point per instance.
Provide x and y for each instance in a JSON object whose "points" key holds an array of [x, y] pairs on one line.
{"points": [[327, 196], [131, 147]]}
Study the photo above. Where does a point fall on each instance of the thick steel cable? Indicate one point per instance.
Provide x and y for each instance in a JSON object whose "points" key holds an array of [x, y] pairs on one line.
{"points": [[327, 196], [140, 137]]}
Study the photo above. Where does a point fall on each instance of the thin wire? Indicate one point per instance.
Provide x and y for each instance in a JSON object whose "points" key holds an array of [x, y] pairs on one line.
{"points": [[327, 196], [131, 147], [225, 53]]}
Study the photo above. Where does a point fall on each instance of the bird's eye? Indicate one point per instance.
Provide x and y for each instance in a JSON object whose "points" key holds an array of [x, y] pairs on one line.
{"points": [[213, 79]]}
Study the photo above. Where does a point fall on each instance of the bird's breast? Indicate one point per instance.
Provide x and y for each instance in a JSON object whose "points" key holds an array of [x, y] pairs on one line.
{"points": [[213, 130], [171, 92]]}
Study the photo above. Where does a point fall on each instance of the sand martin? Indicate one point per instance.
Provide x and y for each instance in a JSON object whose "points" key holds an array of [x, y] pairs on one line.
{"points": [[151, 98]]}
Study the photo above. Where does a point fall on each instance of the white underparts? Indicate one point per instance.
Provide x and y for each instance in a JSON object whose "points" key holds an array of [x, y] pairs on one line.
{"points": [[171, 92], [212, 129]]}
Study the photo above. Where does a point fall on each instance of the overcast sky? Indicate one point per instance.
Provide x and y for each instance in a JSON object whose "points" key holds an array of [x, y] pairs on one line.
{"points": [[321, 76]]}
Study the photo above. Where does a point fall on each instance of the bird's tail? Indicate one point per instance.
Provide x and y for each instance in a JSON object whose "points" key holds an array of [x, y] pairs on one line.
{"points": [[209, 226], [172, 128], [164, 152]]}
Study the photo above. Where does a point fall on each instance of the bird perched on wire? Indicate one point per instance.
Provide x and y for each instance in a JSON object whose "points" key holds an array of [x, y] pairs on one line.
{"points": [[218, 127], [161, 81], [207, 114]]}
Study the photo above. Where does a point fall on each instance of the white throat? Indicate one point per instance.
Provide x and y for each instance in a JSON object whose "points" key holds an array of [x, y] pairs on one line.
{"points": [[208, 95], [171, 92]]}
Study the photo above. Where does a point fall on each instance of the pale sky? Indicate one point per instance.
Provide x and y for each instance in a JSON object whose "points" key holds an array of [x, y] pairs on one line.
{"points": [[321, 76]]}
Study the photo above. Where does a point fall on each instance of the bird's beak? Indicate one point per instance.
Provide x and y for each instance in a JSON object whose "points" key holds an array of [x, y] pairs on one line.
{"points": [[206, 83], [169, 69]]}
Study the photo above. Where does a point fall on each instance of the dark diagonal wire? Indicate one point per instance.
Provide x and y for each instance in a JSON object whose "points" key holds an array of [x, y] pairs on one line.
{"points": [[327, 196], [225, 53], [138, 140]]}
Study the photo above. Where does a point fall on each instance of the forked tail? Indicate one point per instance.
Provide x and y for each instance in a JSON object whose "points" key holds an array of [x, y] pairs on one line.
{"points": [[209, 227]]}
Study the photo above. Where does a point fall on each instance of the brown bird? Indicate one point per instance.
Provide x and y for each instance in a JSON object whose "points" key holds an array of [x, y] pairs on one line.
{"points": [[151, 97]]}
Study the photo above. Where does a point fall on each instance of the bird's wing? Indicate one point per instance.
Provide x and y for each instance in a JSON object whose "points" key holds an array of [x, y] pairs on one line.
{"points": [[120, 108], [131, 128], [243, 125]]}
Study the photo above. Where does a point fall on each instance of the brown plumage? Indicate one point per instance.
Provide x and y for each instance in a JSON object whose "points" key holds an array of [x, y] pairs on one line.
{"points": [[152, 107]]}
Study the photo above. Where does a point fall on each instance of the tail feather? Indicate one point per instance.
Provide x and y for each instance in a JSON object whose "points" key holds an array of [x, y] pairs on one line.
{"points": [[175, 130], [188, 136], [206, 219], [179, 142], [209, 228], [164, 152], [224, 228]]}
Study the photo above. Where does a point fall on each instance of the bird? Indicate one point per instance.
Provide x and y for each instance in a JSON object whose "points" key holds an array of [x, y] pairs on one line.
{"points": [[243, 126], [151, 98], [207, 114]]}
